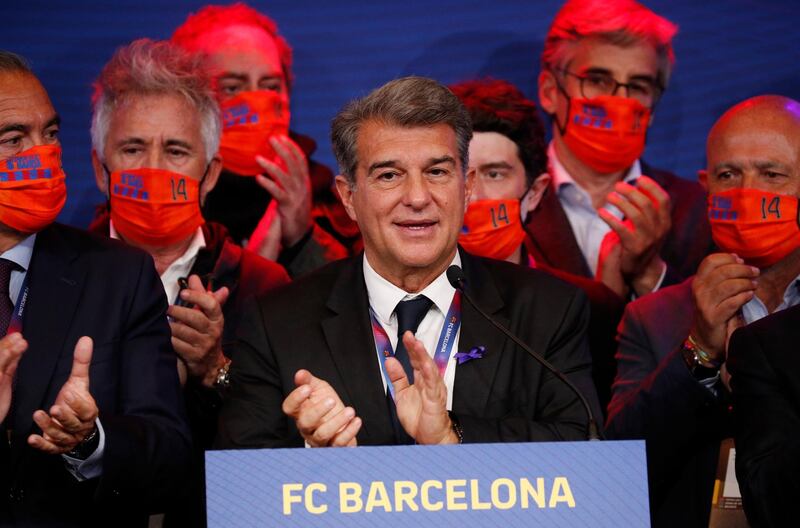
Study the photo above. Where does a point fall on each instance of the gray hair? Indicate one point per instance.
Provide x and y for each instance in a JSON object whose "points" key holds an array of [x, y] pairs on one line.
{"points": [[146, 67], [406, 102], [619, 22], [13, 63]]}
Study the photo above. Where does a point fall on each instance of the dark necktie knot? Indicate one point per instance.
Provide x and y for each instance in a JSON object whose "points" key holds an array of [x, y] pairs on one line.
{"points": [[411, 313]]}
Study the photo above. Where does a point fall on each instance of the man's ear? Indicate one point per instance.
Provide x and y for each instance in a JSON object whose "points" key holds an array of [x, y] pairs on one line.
{"points": [[702, 178], [548, 92], [535, 193], [469, 187], [211, 178], [100, 176], [346, 189]]}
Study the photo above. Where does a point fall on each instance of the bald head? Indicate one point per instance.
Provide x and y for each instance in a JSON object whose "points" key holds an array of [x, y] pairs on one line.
{"points": [[756, 144]]}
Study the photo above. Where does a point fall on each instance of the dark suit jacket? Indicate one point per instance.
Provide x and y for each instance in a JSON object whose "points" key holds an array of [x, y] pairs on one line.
{"points": [[221, 263], [86, 285], [246, 275], [765, 369], [321, 323], [606, 312], [656, 398], [688, 242]]}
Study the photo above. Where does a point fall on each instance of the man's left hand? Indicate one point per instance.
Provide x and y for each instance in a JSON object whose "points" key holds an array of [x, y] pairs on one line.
{"points": [[197, 332], [647, 211], [421, 407], [72, 417]]}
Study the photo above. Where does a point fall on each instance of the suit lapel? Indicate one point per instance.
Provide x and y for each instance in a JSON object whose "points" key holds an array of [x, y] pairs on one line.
{"points": [[349, 337], [474, 379], [550, 237], [56, 282]]}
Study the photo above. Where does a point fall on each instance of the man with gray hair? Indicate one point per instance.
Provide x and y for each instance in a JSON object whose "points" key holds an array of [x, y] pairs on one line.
{"points": [[155, 136], [348, 355], [610, 216], [91, 417]]}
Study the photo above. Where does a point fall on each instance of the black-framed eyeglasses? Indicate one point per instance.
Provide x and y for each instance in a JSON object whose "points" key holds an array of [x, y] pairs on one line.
{"points": [[595, 84]]}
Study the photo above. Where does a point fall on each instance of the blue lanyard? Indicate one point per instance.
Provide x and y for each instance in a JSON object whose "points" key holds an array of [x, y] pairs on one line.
{"points": [[444, 347]]}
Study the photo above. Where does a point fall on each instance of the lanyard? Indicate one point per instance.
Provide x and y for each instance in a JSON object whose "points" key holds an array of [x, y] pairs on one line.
{"points": [[15, 325], [444, 347]]}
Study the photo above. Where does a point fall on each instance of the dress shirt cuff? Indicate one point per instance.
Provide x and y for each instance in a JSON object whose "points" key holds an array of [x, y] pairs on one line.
{"points": [[661, 278], [710, 383], [658, 284], [92, 467]]}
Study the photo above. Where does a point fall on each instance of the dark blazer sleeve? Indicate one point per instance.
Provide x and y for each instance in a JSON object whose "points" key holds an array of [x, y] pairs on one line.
{"points": [[767, 425], [252, 415], [655, 397], [557, 413], [147, 442]]}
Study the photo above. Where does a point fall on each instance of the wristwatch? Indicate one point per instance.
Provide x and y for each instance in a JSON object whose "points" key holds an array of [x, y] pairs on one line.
{"points": [[456, 425], [223, 379], [700, 363], [86, 447]]}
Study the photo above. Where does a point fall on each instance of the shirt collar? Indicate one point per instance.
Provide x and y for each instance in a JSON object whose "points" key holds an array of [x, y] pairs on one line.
{"points": [[755, 308], [198, 242], [21, 253], [384, 296], [562, 178]]}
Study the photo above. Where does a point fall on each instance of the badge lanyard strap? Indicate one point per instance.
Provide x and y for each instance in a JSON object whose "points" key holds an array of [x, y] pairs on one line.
{"points": [[444, 347], [15, 325]]}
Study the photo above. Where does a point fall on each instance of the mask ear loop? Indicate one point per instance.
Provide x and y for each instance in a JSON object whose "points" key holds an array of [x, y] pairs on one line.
{"points": [[200, 188], [554, 116], [523, 210], [108, 186]]}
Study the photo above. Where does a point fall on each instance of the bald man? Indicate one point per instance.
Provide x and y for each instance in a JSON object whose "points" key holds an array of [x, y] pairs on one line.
{"points": [[672, 383]]}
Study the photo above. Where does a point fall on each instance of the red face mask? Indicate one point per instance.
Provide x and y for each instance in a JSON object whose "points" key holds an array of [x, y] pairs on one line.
{"points": [[249, 120], [33, 189], [761, 227], [154, 207], [606, 133], [492, 228]]}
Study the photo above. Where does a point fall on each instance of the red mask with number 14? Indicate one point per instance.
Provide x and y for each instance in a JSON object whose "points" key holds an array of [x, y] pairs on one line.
{"points": [[759, 226], [154, 207], [492, 228]]}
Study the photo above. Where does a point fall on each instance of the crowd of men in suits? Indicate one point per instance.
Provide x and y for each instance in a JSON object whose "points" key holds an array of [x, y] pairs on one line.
{"points": [[233, 293]]}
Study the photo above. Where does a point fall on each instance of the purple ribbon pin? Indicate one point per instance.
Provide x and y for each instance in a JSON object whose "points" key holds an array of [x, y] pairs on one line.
{"points": [[475, 353]]}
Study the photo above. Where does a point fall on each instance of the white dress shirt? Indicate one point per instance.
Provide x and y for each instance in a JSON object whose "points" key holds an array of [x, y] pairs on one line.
{"points": [[180, 268], [21, 255], [383, 298], [588, 227]]}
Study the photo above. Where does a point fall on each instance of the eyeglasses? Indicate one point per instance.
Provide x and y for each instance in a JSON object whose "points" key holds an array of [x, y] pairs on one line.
{"points": [[595, 84]]}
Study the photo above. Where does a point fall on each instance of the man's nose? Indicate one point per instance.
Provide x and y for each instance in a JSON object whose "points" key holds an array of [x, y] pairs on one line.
{"points": [[416, 192], [155, 159]]}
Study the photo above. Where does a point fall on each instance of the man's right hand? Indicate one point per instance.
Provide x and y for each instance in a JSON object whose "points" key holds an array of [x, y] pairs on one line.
{"points": [[11, 348], [723, 284], [319, 413]]}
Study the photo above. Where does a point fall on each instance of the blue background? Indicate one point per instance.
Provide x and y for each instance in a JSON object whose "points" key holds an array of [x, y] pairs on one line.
{"points": [[727, 50], [608, 481]]}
